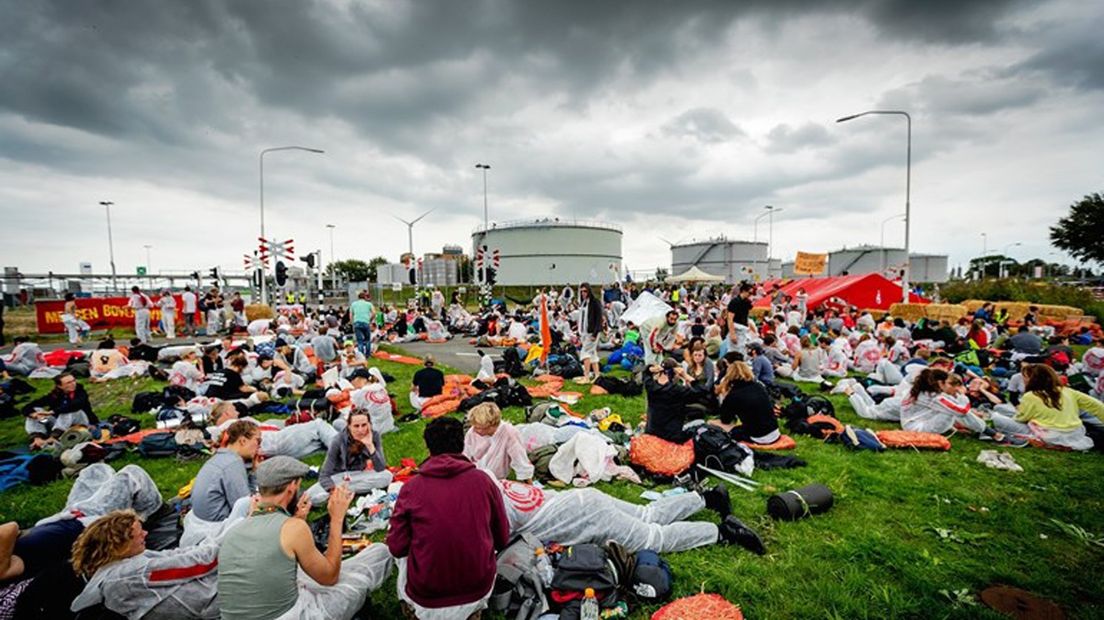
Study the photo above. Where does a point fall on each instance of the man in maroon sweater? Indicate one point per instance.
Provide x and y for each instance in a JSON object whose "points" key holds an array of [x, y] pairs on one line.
{"points": [[449, 522]]}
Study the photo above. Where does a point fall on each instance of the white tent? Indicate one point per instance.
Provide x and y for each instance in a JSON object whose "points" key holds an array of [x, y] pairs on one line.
{"points": [[694, 274]]}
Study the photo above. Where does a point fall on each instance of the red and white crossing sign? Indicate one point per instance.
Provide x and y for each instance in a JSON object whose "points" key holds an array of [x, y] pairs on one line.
{"points": [[253, 262], [482, 253], [276, 249]]}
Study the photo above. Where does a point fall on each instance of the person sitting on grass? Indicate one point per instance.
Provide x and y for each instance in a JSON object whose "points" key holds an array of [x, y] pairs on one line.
{"points": [[426, 383], [670, 391], [187, 371], [355, 458], [745, 399], [495, 445], [1051, 413], [269, 566], [62, 407], [938, 403], [221, 483]]}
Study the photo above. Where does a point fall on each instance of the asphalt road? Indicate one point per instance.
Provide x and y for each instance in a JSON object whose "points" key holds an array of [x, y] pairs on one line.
{"points": [[456, 353]]}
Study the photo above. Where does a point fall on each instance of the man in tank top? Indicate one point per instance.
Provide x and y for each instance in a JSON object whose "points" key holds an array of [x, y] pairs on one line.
{"points": [[260, 556]]}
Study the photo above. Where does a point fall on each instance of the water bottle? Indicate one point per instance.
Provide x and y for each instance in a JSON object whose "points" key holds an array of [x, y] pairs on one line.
{"points": [[589, 610], [544, 567]]}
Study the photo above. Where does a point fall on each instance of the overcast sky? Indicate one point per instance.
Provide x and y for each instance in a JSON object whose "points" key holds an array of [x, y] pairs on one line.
{"points": [[678, 120]]}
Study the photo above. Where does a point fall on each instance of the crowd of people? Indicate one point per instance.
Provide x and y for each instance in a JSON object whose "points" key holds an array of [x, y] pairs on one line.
{"points": [[701, 356]]}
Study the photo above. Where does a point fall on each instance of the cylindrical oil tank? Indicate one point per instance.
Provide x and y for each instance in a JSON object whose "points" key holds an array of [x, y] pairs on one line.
{"points": [[733, 260], [928, 268], [550, 251], [866, 259]]}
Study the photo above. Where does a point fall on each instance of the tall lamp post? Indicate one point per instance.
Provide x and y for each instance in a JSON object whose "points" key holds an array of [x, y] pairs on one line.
{"points": [[333, 272], [770, 211], [149, 268], [484, 168], [908, 188], [264, 284], [110, 245], [1004, 253], [881, 242]]}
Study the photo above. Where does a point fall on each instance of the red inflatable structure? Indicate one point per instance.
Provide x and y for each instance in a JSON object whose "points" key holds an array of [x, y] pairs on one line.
{"points": [[869, 290]]}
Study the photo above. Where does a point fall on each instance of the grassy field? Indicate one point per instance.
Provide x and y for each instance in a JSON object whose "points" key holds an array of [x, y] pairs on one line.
{"points": [[911, 535]]}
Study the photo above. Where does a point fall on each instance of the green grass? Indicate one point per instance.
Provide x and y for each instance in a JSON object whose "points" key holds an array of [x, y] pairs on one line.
{"points": [[878, 553]]}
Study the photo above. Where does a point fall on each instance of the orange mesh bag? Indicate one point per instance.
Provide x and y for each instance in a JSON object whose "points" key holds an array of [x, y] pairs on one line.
{"points": [[659, 456], [400, 359], [441, 408], [550, 379], [543, 390], [785, 442], [912, 439], [699, 607], [837, 426], [461, 379]]}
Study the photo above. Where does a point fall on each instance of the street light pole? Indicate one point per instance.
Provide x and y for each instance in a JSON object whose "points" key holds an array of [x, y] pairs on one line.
{"points": [[881, 242], [110, 245], [149, 268], [264, 284], [485, 168], [333, 272], [908, 190], [1004, 253]]}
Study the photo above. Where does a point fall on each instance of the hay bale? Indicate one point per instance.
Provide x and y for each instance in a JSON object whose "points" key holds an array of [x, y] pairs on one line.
{"points": [[950, 313], [258, 311], [1017, 310], [758, 313], [1060, 313], [972, 305], [908, 312]]}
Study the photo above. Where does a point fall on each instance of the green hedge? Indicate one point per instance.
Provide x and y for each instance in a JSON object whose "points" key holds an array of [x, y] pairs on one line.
{"points": [[1011, 289]]}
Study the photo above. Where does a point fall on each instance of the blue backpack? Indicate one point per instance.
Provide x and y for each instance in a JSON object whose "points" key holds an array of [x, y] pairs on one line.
{"points": [[651, 577], [28, 468]]}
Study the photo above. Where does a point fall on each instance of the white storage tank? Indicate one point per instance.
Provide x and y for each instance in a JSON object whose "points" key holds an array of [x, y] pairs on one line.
{"points": [[928, 268], [865, 259], [551, 250], [734, 260]]}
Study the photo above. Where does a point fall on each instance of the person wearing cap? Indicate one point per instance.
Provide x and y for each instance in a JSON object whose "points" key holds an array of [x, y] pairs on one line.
{"points": [[670, 389], [221, 482], [351, 358], [369, 394], [448, 523], [261, 557], [168, 313], [426, 383], [186, 372]]}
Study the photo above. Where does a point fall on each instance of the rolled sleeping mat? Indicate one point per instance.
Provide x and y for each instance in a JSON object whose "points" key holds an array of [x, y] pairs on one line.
{"points": [[798, 503]]}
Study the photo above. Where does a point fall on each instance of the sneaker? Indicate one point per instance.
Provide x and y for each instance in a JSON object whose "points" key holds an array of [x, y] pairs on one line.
{"points": [[734, 532], [1008, 440], [717, 500]]}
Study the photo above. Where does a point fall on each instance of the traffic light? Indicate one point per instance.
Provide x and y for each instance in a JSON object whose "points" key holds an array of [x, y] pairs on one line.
{"points": [[492, 275], [281, 273], [309, 260], [215, 279], [195, 275]]}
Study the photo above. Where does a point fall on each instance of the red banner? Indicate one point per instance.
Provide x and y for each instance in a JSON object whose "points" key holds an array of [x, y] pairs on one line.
{"points": [[99, 313]]}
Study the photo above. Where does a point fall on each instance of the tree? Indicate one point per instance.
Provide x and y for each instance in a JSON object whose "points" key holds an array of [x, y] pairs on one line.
{"points": [[351, 269], [373, 268], [1080, 232]]}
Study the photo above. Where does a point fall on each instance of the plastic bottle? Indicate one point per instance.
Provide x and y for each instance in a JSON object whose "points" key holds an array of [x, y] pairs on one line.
{"points": [[544, 567], [589, 610]]}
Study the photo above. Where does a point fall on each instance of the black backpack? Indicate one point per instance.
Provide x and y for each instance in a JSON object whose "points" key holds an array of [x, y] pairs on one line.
{"points": [[581, 567], [158, 444], [122, 425], [145, 402], [172, 393], [715, 449], [511, 363]]}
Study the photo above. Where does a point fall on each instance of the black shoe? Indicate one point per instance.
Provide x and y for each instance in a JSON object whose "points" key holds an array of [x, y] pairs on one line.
{"points": [[717, 500], [734, 532]]}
